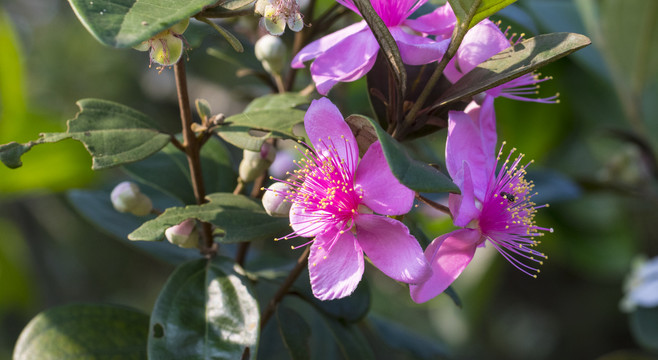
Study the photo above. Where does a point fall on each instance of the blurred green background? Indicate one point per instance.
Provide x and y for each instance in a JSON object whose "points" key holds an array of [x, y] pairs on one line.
{"points": [[595, 156]]}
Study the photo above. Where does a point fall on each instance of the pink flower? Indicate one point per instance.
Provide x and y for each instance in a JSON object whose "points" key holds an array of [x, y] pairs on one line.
{"points": [[336, 199], [493, 206], [480, 43], [348, 54]]}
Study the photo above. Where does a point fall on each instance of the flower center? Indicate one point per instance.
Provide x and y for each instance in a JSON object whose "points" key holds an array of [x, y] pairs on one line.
{"points": [[508, 216]]}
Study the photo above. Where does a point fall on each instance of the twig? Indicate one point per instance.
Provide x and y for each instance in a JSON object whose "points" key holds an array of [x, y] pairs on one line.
{"points": [[435, 205], [283, 290]]}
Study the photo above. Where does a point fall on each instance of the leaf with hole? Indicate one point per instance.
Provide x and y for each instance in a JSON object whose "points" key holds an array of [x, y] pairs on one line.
{"points": [[112, 133], [84, 331], [206, 310], [241, 218]]}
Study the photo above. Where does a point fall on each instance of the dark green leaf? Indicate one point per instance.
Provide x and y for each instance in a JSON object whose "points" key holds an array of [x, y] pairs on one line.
{"points": [[124, 23], [397, 337], [84, 332], [295, 333], [230, 38], [97, 208], [229, 8], [450, 291], [273, 122], [350, 340], [168, 171], [277, 101], [206, 310], [241, 218], [412, 173], [644, 325], [350, 309], [113, 134], [513, 62], [485, 8]]}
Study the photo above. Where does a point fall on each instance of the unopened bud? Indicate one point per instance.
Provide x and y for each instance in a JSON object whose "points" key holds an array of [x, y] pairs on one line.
{"points": [[274, 200], [126, 197], [255, 163], [184, 234], [271, 51]]}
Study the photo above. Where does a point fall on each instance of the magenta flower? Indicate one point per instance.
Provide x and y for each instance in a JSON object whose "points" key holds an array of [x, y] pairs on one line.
{"points": [[493, 206], [336, 199], [348, 54]]}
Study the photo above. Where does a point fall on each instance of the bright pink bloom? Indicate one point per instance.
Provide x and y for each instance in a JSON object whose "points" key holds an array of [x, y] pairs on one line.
{"points": [[492, 206], [334, 199], [348, 54]]}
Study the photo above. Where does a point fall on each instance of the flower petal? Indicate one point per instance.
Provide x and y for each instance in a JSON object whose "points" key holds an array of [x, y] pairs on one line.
{"points": [[348, 60], [308, 224], [335, 266], [485, 118], [463, 206], [449, 255], [440, 22], [464, 145], [391, 248], [381, 190], [317, 47], [328, 131], [418, 50]]}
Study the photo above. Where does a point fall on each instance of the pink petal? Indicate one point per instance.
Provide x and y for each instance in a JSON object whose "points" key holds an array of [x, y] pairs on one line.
{"points": [[318, 47], [328, 131], [485, 118], [349, 4], [307, 224], [348, 60], [418, 50], [483, 41], [449, 255], [335, 266], [464, 145], [391, 248], [463, 206], [381, 190], [440, 22]]}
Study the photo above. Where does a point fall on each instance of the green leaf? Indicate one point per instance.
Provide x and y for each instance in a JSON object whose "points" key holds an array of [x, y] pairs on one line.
{"points": [[241, 218], [229, 8], [206, 310], [274, 122], [295, 333], [84, 332], [348, 309], [485, 8], [96, 207], [398, 337], [644, 326], [124, 23], [412, 173], [350, 340], [168, 171], [277, 101], [113, 134], [513, 62]]}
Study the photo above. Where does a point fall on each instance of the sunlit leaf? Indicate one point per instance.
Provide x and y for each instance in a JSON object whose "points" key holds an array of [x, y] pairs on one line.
{"points": [[273, 122], [206, 310], [485, 8], [84, 332], [124, 23], [412, 173], [277, 101], [241, 218], [295, 333], [513, 62], [113, 134]]}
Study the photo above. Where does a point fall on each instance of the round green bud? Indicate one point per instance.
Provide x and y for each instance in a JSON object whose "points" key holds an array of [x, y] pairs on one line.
{"points": [[255, 163], [274, 200], [126, 197], [271, 51]]}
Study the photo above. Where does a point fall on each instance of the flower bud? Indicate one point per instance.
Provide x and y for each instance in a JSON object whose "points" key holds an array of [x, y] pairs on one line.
{"points": [[277, 13], [126, 197], [274, 200], [167, 46], [271, 51], [254, 163], [184, 234]]}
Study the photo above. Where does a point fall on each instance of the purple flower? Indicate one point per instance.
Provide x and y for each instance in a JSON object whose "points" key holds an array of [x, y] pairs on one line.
{"points": [[336, 199], [348, 54], [493, 206]]}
